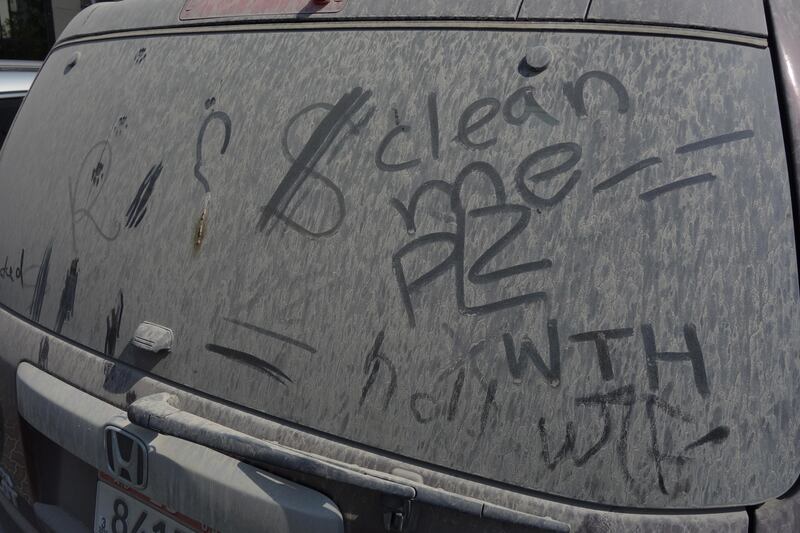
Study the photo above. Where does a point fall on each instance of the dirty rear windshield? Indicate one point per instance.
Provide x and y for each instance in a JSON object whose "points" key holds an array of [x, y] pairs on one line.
{"points": [[563, 262]]}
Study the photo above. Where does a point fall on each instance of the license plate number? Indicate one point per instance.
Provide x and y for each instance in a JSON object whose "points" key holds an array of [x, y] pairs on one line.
{"points": [[118, 512]]}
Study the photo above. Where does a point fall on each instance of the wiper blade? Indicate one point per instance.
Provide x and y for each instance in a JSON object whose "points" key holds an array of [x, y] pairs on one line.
{"points": [[162, 413]]}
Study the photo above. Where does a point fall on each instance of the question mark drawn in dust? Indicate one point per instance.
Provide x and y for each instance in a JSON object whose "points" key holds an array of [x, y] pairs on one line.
{"points": [[223, 118]]}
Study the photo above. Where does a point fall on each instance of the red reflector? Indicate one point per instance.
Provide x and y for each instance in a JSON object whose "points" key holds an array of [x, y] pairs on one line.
{"points": [[206, 9]]}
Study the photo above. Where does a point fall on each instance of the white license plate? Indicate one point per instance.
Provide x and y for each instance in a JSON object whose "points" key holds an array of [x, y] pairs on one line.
{"points": [[118, 512]]}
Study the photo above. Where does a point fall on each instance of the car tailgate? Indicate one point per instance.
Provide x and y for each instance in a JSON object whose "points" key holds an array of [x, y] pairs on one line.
{"points": [[564, 262]]}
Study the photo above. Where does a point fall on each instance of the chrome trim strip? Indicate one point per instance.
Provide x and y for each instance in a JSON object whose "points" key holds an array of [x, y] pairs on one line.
{"points": [[448, 25]]}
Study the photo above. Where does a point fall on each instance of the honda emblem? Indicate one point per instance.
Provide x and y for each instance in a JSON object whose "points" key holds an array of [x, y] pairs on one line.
{"points": [[126, 455]]}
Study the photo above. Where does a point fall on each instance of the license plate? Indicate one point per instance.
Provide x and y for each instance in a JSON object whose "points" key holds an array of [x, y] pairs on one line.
{"points": [[117, 511]]}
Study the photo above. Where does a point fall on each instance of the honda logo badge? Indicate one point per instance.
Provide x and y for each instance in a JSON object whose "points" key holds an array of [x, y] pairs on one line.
{"points": [[126, 455]]}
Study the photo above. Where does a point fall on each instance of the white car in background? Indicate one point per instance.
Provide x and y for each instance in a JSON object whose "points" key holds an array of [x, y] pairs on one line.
{"points": [[16, 78]]}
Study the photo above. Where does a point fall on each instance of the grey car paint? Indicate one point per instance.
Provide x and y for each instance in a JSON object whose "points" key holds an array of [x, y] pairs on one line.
{"points": [[741, 15], [746, 15], [219, 484], [674, 272], [547, 9], [431, 9], [136, 14], [783, 514]]}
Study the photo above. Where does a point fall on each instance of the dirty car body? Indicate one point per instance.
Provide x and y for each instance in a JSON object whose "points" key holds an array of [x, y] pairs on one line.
{"points": [[419, 266]]}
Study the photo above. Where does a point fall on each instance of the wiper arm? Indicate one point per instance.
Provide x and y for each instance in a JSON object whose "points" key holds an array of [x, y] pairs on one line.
{"points": [[162, 413]]}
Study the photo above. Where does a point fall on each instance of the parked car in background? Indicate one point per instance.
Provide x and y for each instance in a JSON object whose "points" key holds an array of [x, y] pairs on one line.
{"points": [[405, 266], [16, 78]]}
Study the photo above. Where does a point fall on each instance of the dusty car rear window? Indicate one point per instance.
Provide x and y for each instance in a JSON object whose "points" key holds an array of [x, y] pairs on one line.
{"points": [[564, 262]]}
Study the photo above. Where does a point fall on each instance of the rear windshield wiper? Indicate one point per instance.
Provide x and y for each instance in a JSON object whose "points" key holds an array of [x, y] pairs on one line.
{"points": [[162, 413]]}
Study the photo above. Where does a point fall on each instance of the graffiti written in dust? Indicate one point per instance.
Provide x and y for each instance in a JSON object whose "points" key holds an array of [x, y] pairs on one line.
{"points": [[302, 173], [556, 164], [252, 361], [445, 399], [224, 120], [120, 126], [113, 325], [98, 173], [477, 277], [66, 305], [623, 402], [41, 284], [44, 352], [140, 56], [14, 272], [615, 410], [247, 359], [484, 281], [456, 246], [86, 188], [138, 208], [373, 362]]}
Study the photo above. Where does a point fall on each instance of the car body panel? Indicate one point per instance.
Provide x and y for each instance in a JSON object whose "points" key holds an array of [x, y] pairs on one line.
{"points": [[785, 17], [546, 10], [78, 422], [293, 327], [783, 514], [504, 9], [141, 14], [744, 15]]}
